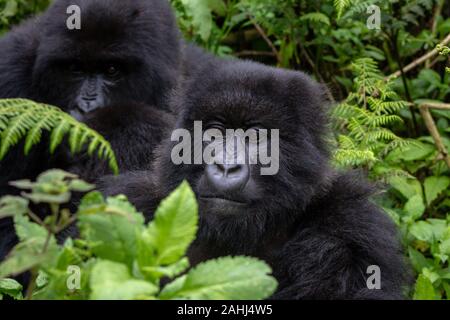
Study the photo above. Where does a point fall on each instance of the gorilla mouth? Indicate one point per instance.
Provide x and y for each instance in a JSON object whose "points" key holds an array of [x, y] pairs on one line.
{"points": [[222, 199]]}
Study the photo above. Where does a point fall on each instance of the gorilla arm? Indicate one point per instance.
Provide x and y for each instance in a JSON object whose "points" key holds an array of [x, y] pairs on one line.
{"points": [[329, 255]]}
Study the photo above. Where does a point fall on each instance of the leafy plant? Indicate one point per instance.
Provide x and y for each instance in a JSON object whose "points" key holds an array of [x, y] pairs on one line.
{"points": [[118, 256], [364, 117], [20, 118]]}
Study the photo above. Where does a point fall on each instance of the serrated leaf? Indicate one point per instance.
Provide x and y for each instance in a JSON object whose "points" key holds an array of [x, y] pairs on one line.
{"points": [[12, 205], [113, 281], [418, 260], [422, 231], [171, 271], [406, 186], [237, 278], [424, 289], [434, 186], [172, 230], [200, 12], [12, 288], [78, 185], [415, 207], [113, 225]]}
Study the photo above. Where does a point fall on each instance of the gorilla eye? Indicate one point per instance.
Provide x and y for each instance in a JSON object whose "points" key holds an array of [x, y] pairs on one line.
{"points": [[112, 71], [216, 125]]}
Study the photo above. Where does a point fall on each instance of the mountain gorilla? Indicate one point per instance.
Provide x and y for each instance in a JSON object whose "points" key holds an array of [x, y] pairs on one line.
{"points": [[114, 74], [316, 227]]}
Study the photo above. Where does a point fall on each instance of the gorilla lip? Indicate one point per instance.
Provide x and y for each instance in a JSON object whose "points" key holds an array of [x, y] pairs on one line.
{"points": [[221, 198]]}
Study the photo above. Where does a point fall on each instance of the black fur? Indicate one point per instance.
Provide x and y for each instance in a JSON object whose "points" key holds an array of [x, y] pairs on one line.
{"points": [[316, 227], [36, 60]]}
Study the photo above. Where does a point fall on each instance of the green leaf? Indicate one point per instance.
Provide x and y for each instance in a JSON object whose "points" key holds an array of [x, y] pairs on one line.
{"points": [[172, 230], [27, 230], [340, 6], [237, 278], [415, 207], [171, 271], [434, 186], [22, 118], [406, 186], [78, 185], [25, 256], [316, 17], [418, 260], [414, 151], [424, 289], [112, 226], [11, 288], [201, 14], [113, 281], [29, 252], [422, 231], [11, 206]]}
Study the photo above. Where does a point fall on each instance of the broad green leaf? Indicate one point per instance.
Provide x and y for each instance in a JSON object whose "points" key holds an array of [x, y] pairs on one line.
{"points": [[237, 278], [30, 250], [80, 186], [444, 247], [418, 260], [415, 207], [26, 230], [424, 289], [406, 186], [25, 256], [113, 281], [172, 230], [112, 226], [201, 14], [11, 288], [171, 271], [422, 231], [439, 227], [11, 206], [434, 186]]}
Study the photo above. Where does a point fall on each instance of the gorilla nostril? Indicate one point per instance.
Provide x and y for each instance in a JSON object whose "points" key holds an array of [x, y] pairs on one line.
{"points": [[226, 178]]}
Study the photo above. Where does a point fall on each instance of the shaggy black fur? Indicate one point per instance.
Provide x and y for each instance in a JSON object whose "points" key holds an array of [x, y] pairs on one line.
{"points": [[125, 51], [316, 227], [45, 61]]}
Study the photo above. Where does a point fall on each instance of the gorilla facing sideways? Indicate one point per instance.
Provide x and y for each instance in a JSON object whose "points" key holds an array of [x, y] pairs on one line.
{"points": [[114, 74], [316, 227]]}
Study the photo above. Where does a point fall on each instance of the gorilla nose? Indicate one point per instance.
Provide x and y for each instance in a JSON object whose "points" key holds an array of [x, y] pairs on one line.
{"points": [[227, 177]]}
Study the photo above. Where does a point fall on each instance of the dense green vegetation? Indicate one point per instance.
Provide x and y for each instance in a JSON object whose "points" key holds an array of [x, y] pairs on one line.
{"points": [[390, 86], [116, 256]]}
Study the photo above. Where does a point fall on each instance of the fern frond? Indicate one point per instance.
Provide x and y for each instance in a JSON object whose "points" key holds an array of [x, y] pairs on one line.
{"points": [[340, 6], [22, 118], [316, 17], [353, 158]]}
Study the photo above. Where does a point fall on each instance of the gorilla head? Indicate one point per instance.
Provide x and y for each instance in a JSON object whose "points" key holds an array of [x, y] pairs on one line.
{"points": [[124, 51], [252, 97]]}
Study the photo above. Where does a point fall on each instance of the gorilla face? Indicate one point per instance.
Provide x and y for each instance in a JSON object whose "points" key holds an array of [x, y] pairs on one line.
{"points": [[124, 51], [249, 96]]}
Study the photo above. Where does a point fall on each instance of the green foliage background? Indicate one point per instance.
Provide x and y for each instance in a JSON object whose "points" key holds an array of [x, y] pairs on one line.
{"points": [[377, 125]]}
